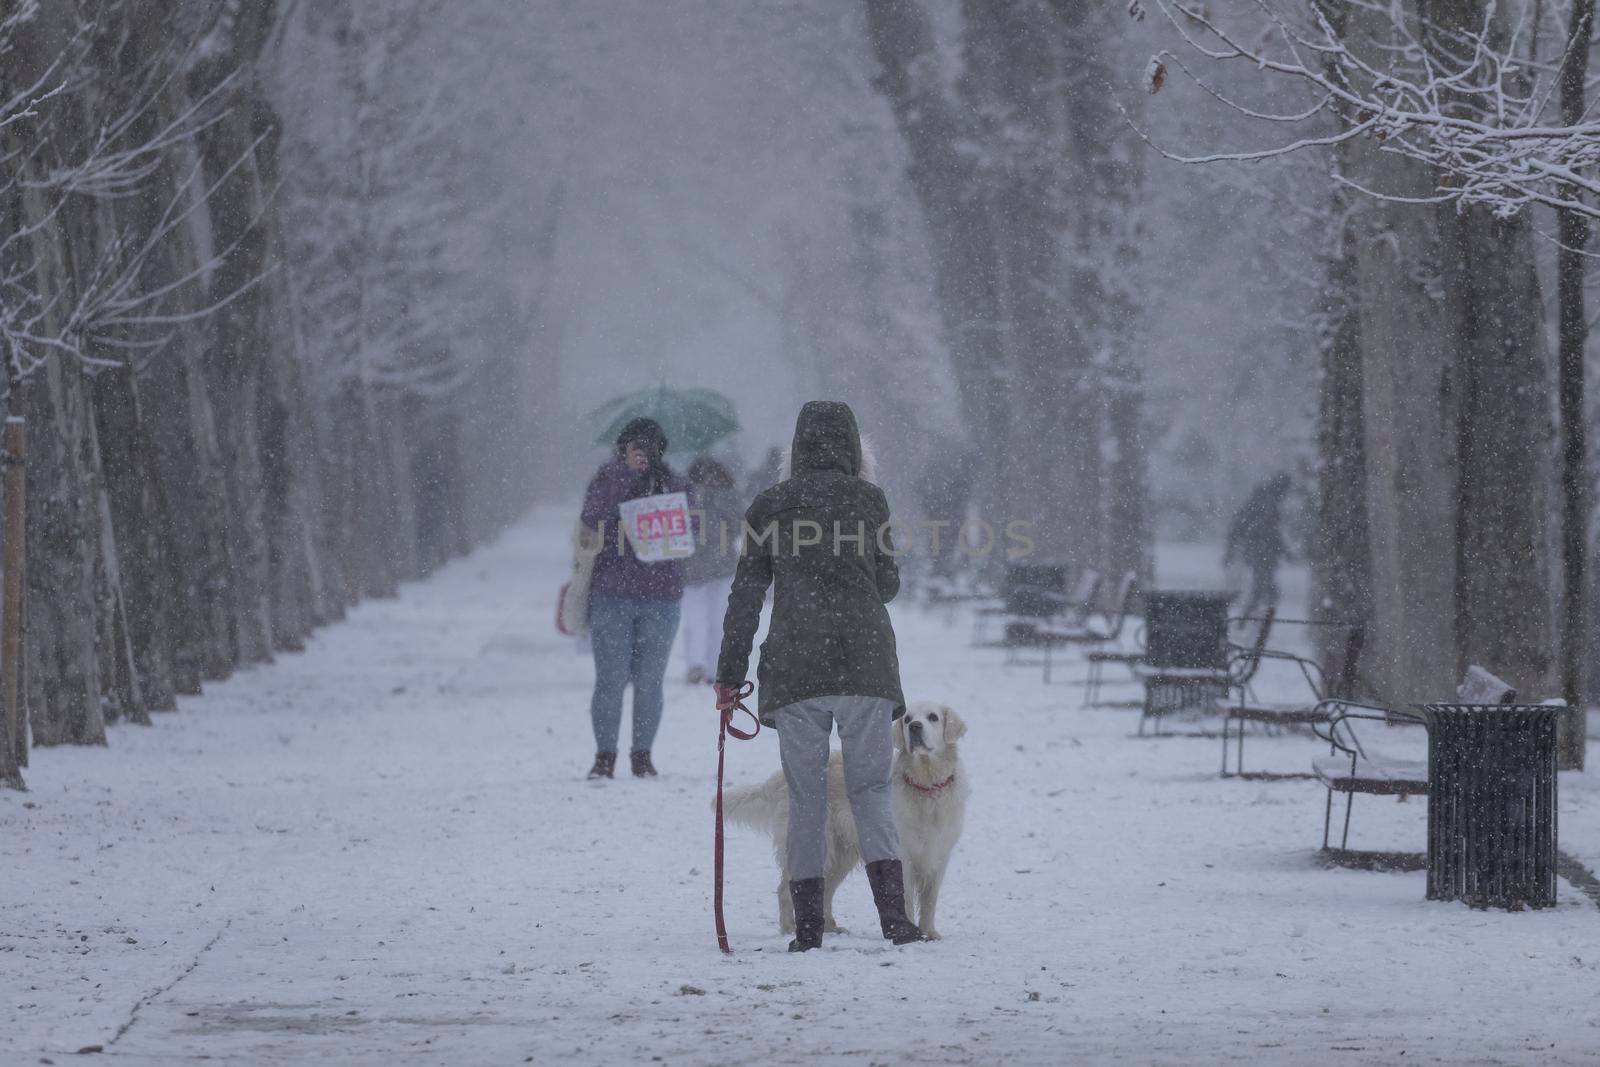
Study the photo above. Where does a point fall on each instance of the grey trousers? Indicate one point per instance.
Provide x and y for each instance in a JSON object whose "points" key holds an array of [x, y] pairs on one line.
{"points": [[866, 736]]}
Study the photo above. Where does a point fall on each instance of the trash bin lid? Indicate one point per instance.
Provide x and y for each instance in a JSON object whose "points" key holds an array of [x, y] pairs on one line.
{"points": [[1445, 715]]}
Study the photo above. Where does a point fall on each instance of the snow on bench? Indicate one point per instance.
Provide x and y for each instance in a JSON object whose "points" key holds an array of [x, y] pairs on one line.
{"points": [[1372, 774]]}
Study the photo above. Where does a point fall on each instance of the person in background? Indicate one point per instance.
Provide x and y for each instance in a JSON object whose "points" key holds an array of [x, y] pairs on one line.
{"points": [[829, 656], [633, 606], [709, 572], [1255, 540], [944, 491], [766, 474]]}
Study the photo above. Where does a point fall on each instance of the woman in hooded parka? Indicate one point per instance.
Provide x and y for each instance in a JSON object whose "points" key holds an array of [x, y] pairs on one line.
{"points": [[821, 539]]}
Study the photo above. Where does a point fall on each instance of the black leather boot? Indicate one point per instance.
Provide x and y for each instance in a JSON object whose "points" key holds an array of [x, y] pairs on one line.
{"points": [[642, 767], [605, 764], [807, 896], [889, 893]]}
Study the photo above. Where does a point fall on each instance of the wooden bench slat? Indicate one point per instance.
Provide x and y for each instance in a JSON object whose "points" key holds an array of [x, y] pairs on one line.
{"points": [[1181, 674], [1279, 713]]}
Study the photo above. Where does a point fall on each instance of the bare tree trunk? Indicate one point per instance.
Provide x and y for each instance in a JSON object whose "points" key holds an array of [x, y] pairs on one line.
{"points": [[65, 698], [1017, 77], [1107, 283], [1503, 429], [189, 461], [293, 492], [1504, 437], [379, 551], [965, 257], [1406, 524], [138, 521], [1342, 554], [13, 720], [241, 333], [1574, 338], [1020, 252], [63, 598]]}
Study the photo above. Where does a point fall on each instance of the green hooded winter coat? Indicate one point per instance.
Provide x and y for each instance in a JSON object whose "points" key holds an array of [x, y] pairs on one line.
{"points": [[821, 539]]}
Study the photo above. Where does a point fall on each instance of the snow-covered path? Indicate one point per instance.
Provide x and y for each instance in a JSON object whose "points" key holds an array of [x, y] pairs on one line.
{"points": [[383, 850]]}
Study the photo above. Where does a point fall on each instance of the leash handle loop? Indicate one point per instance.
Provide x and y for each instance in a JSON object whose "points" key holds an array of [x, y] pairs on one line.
{"points": [[739, 705]]}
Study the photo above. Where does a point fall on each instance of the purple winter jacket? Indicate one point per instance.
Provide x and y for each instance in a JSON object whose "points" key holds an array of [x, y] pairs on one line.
{"points": [[619, 573]]}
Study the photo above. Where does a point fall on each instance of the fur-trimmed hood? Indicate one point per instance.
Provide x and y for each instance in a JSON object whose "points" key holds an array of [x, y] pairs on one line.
{"points": [[826, 437]]}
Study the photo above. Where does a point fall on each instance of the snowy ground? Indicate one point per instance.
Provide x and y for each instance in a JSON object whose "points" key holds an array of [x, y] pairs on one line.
{"points": [[383, 850]]}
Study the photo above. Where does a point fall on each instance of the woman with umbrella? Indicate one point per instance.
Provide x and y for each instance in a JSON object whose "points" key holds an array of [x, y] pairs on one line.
{"points": [[633, 604]]}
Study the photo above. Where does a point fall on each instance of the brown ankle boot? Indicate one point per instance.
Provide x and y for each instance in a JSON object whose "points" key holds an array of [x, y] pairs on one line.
{"points": [[605, 763], [642, 767], [889, 893], [807, 896]]}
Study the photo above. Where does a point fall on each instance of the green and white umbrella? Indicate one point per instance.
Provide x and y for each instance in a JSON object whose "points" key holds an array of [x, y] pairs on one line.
{"points": [[693, 419]]}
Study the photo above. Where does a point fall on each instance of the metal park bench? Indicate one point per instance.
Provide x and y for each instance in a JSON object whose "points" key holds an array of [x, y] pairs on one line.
{"points": [[1045, 609], [1034, 594], [1156, 604], [1052, 634], [1179, 688], [1100, 657], [947, 594], [1019, 593], [1351, 768], [1237, 712]]}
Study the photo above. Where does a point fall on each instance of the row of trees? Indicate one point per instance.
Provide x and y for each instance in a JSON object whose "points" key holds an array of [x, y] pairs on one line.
{"points": [[232, 333], [1450, 125]]}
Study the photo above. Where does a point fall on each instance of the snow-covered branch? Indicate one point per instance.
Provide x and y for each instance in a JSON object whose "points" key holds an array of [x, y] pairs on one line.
{"points": [[1466, 101], [78, 133]]}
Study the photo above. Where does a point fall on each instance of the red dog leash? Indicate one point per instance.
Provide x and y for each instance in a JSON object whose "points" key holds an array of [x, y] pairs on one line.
{"points": [[727, 728]]}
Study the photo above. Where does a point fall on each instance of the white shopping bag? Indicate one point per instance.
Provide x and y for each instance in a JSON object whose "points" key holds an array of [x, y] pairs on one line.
{"points": [[658, 527]]}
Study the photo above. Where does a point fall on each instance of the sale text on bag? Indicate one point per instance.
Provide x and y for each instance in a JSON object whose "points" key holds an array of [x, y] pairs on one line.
{"points": [[658, 527]]}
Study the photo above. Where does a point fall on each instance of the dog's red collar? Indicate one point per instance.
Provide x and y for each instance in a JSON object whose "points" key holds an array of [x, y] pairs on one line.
{"points": [[928, 788]]}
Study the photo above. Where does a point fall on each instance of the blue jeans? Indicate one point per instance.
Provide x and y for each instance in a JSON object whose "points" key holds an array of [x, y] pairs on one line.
{"points": [[631, 638]]}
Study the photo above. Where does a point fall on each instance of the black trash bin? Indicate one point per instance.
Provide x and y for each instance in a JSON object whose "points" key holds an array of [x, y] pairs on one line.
{"points": [[1492, 804]]}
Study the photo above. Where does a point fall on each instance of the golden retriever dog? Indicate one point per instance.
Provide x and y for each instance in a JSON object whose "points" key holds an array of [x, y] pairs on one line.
{"points": [[929, 793]]}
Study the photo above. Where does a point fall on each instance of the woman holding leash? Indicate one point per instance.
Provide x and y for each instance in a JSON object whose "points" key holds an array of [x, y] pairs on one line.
{"points": [[633, 605], [821, 538]]}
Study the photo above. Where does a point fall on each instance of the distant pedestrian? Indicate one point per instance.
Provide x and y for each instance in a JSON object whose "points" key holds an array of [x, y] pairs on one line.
{"points": [[820, 538], [764, 475], [708, 574], [945, 491], [633, 605], [1255, 541]]}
